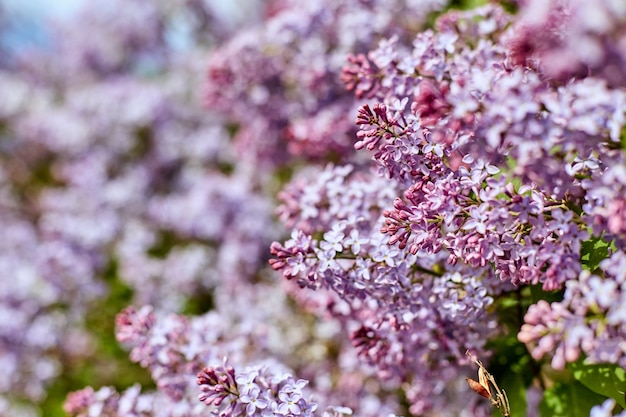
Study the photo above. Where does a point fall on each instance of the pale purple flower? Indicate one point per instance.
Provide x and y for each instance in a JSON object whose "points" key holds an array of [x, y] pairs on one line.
{"points": [[604, 410], [333, 240], [254, 400], [354, 241], [246, 383], [477, 219], [385, 254], [288, 404]]}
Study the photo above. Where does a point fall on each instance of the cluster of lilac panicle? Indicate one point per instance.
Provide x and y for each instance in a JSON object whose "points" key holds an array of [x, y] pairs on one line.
{"points": [[175, 349], [425, 132], [280, 82], [500, 176], [459, 92], [410, 315], [254, 391], [590, 321], [573, 38]]}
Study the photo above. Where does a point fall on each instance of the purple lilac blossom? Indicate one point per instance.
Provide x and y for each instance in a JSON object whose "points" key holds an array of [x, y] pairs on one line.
{"points": [[496, 170], [408, 317], [590, 321], [468, 98], [454, 128], [572, 38], [283, 88], [605, 410], [175, 348], [450, 143]]}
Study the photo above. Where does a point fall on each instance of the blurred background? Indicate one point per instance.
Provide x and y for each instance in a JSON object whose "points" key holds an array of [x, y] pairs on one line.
{"points": [[103, 143]]}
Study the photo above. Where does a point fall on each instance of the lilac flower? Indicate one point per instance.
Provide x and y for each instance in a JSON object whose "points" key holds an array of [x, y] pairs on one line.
{"points": [[355, 242], [604, 410], [386, 255], [580, 323], [477, 219], [384, 272], [254, 401], [245, 381], [297, 265], [333, 240], [289, 403]]}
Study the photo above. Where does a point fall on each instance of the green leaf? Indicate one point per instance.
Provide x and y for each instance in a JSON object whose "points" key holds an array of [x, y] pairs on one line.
{"points": [[568, 399], [537, 293], [605, 379], [467, 4], [594, 251], [515, 388]]}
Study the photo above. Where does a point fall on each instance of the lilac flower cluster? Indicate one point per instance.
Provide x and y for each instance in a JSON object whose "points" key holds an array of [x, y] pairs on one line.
{"points": [[409, 317], [467, 97], [254, 392], [463, 211], [233, 394], [283, 89], [468, 109], [500, 177], [574, 38], [591, 319], [176, 348]]}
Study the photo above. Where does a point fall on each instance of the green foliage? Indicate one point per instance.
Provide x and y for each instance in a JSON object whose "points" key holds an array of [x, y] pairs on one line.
{"points": [[510, 6], [537, 293], [594, 251], [453, 4], [605, 379], [165, 242], [568, 399], [199, 303], [467, 4], [515, 387]]}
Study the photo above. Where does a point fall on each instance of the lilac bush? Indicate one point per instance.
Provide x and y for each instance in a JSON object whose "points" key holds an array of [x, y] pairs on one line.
{"points": [[434, 185], [501, 174]]}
